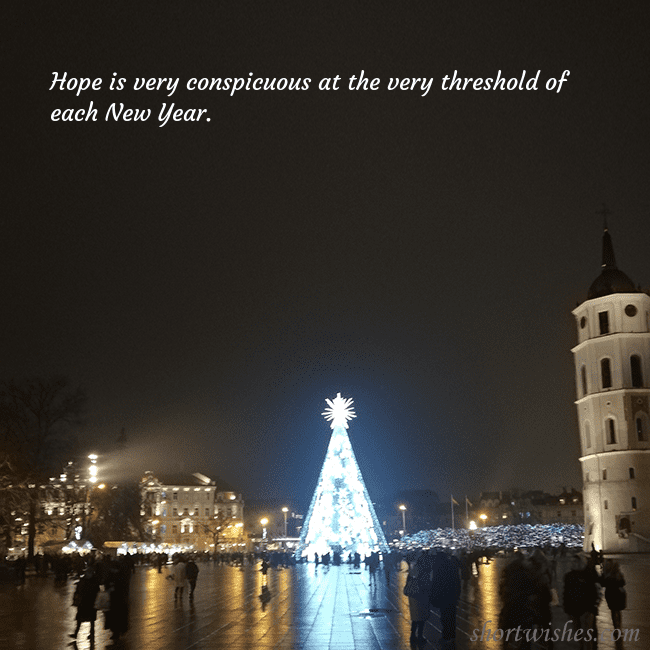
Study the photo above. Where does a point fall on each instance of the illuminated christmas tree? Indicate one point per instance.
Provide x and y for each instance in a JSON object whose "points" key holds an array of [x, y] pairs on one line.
{"points": [[341, 517]]}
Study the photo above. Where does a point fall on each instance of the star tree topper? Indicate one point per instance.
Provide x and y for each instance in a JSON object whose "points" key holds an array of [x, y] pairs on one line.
{"points": [[339, 411]]}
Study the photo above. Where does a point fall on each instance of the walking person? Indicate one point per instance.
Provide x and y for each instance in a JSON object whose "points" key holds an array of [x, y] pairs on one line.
{"points": [[418, 589], [179, 576], [615, 595], [118, 580], [444, 594], [581, 598], [84, 601], [192, 572]]}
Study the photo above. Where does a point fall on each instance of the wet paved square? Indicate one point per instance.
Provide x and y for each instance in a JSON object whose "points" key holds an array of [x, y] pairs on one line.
{"points": [[305, 608]]}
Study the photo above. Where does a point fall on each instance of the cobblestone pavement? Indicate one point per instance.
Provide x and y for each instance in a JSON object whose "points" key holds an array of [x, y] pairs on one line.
{"points": [[307, 608]]}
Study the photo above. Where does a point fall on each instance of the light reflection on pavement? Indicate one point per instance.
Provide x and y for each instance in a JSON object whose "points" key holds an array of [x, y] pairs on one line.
{"points": [[301, 608]]}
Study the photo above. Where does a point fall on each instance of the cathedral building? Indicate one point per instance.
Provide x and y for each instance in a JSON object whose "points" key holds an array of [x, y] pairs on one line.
{"points": [[612, 364]]}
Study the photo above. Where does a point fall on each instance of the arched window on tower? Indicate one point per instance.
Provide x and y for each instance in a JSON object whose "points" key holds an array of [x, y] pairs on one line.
{"points": [[610, 427], [583, 378], [637, 372], [640, 429], [606, 373]]}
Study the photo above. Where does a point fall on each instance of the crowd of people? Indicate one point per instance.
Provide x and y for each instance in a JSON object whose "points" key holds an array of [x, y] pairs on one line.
{"points": [[435, 577]]}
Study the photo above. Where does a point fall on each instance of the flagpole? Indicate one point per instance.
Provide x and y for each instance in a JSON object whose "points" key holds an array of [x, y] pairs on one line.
{"points": [[452, 512], [466, 513]]}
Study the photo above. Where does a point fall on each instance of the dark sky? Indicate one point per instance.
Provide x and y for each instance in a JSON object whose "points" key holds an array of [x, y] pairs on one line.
{"points": [[210, 284]]}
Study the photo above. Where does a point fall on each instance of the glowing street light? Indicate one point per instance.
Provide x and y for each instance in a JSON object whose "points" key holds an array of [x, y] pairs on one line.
{"points": [[472, 525], [92, 470], [285, 510], [483, 517], [264, 522], [403, 509]]}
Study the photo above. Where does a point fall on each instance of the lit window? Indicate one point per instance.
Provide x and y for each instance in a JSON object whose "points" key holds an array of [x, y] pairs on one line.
{"points": [[606, 373], [637, 373]]}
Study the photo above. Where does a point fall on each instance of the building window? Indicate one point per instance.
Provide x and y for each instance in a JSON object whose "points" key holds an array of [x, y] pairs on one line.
{"points": [[587, 436], [604, 475], [633, 503], [583, 378], [174, 528], [637, 373], [175, 496], [186, 511], [207, 512], [175, 512], [606, 373], [603, 321], [605, 504], [631, 472], [163, 529], [640, 431], [164, 512], [559, 514], [611, 432]]}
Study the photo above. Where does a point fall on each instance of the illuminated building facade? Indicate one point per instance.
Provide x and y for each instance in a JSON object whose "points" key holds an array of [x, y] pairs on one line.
{"points": [[191, 512], [612, 365]]}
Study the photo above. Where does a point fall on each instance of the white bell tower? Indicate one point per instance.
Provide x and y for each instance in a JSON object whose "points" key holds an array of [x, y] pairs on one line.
{"points": [[612, 361]]}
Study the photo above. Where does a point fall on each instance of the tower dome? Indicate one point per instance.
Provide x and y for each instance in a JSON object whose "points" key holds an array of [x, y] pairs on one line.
{"points": [[611, 279]]}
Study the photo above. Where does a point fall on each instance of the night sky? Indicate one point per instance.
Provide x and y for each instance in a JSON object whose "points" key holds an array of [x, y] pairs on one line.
{"points": [[210, 283]]}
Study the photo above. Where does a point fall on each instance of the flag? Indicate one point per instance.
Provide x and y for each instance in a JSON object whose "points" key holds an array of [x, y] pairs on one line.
{"points": [[469, 503], [454, 500]]}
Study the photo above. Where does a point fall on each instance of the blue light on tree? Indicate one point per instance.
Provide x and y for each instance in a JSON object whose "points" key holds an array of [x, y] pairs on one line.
{"points": [[341, 517]]}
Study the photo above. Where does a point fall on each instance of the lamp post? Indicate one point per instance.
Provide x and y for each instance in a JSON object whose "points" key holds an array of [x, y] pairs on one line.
{"points": [[483, 517], [92, 472], [403, 509], [264, 522], [285, 510]]}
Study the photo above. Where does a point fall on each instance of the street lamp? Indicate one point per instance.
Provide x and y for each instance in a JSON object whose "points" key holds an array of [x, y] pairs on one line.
{"points": [[483, 517], [285, 510], [92, 471], [403, 509], [264, 522]]}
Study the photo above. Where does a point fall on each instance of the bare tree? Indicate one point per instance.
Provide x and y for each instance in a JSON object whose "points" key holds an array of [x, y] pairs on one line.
{"points": [[37, 417], [217, 528], [116, 514]]}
